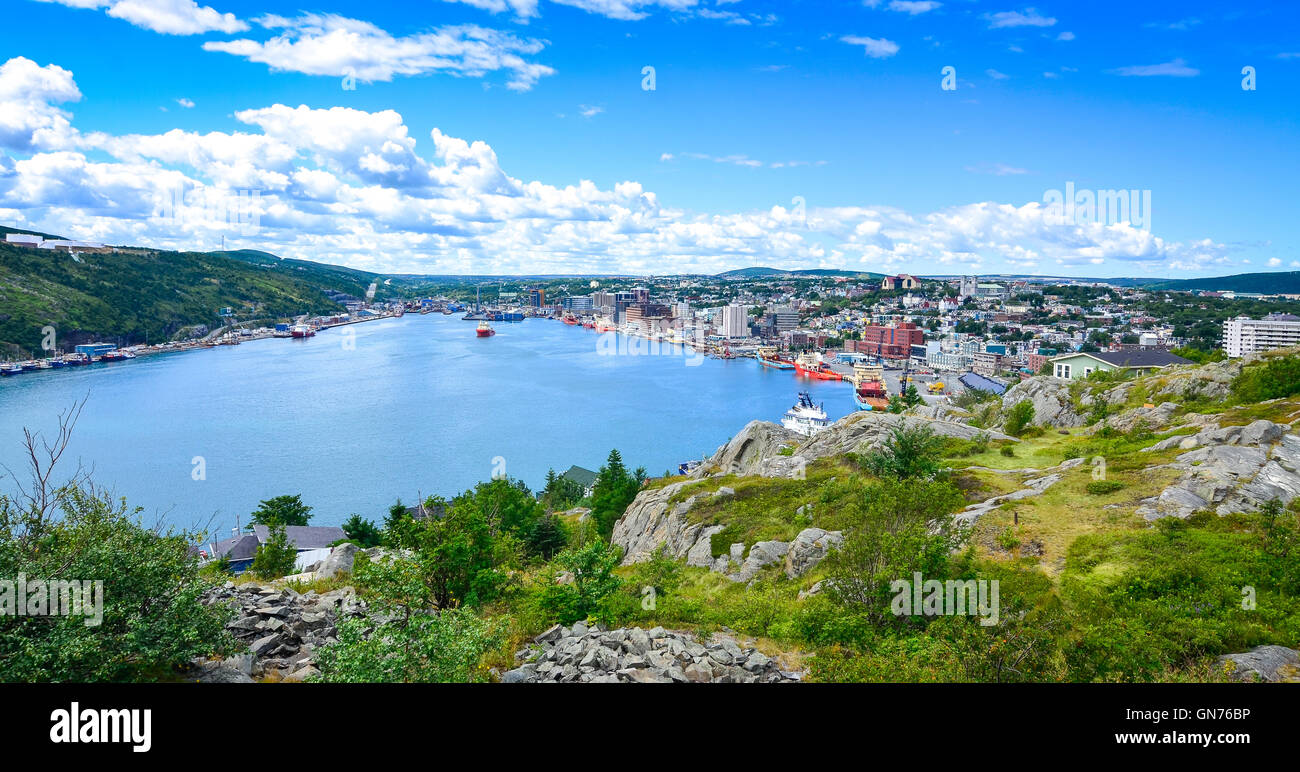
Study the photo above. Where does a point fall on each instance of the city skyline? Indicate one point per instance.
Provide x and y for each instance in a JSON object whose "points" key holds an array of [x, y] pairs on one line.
{"points": [[623, 137]]}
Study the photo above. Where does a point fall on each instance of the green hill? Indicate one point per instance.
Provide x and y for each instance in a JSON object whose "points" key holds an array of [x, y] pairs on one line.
{"points": [[1277, 282], [139, 295]]}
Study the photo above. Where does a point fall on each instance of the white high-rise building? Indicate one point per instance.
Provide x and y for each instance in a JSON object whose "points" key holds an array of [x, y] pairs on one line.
{"points": [[1244, 335], [735, 322]]}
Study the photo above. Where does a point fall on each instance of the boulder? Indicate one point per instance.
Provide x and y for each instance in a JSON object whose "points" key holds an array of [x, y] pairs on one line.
{"points": [[1053, 405], [1264, 663], [808, 549], [339, 561]]}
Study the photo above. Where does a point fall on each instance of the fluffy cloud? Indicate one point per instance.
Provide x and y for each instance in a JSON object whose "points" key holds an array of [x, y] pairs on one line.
{"points": [[876, 48], [1177, 69], [28, 95], [1027, 18], [358, 188], [169, 17], [317, 44]]}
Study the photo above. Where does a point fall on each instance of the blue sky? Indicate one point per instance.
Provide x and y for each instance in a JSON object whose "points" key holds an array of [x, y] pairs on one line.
{"points": [[795, 134]]}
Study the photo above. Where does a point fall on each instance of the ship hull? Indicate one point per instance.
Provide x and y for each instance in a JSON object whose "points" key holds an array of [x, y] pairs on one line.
{"points": [[776, 364]]}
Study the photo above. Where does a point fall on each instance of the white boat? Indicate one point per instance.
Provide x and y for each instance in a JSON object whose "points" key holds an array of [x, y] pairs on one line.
{"points": [[805, 417]]}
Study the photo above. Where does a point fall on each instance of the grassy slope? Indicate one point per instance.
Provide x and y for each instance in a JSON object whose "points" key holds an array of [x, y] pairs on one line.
{"points": [[133, 296]]}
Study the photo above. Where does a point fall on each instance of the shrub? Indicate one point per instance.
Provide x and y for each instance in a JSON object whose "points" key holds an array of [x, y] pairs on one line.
{"points": [[1008, 451], [1018, 418], [1278, 377], [910, 452], [1103, 487]]}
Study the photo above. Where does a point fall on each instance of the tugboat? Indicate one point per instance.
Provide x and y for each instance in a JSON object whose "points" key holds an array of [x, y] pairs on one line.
{"points": [[805, 417], [301, 331], [767, 357], [569, 319], [810, 364], [485, 330]]}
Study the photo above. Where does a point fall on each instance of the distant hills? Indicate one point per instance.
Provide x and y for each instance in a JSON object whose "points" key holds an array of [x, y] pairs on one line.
{"points": [[1268, 283], [145, 295]]}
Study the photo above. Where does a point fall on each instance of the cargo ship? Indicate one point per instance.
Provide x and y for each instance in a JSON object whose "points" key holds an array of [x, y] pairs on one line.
{"points": [[810, 365], [485, 330], [301, 331], [805, 417], [767, 357]]}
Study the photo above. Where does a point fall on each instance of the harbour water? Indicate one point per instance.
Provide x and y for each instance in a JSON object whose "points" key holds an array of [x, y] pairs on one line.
{"points": [[358, 416]]}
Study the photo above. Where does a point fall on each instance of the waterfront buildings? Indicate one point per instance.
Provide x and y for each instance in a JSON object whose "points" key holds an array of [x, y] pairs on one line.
{"points": [[1244, 335]]}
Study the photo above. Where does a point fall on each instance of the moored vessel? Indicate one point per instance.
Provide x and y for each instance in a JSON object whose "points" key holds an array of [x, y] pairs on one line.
{"points": [[805, 417], [767, 356]]}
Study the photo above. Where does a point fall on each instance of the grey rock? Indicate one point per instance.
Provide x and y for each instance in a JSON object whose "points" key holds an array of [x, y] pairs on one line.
{"points": [[1264, 663]]}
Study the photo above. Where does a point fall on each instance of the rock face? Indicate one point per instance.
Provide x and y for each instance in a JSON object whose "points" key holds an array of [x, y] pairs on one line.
{"points": [[1140, 417], [339, 561], [583, 654], [1264, 663], [650, 523], [1229, 469], [1051, 398], [746, 453], [281, 628], [1212, 381]]}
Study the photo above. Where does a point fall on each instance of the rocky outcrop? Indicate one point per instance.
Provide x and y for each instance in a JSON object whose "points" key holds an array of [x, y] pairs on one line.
{"points": [[1264, 663], [1229, 469], [745, 453], [808, 549], [649, 523], [1211, 382], [1151, 418], [281, 629], [582, 654], [1053, 405]]}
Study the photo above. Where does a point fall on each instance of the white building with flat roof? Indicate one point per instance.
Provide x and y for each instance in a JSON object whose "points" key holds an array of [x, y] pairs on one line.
{"points": [[1244, 335], [735, 322]]}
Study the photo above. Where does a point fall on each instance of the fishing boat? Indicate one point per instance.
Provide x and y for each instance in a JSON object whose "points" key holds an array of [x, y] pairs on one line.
{"points": [[77, 360], [485, 330], [805, 417], [767, 357], [116, 355], [809, 364], [590, 324], [11, 369]]}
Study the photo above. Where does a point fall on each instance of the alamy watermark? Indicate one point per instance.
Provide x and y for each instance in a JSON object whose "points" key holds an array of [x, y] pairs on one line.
{"points": [[954, 597], [52, 598], [239, 210], [1081, 206]]}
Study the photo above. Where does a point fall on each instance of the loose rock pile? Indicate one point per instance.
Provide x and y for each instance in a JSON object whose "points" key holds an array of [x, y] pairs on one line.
{"points": [[583, 654], [281, 628]]}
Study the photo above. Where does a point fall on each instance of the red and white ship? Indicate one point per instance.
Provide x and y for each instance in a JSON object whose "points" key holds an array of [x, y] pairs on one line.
{"points": [[485, 330]]}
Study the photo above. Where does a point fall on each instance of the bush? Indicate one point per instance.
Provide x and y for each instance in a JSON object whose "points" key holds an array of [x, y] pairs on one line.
{"points": [[152, 620], [1018, 418], [592, 567], [419, 647], [1103, 487], [910, 452], [1008, 451], [1275, 378], [363, 532]]}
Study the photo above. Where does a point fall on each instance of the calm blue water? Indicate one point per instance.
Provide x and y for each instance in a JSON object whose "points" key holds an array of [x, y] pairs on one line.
{"points": [[417, 405]]}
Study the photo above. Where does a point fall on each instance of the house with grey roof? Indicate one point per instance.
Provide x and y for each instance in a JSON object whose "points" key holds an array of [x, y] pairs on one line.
{"points": [[1081, 364], [242, 548]]}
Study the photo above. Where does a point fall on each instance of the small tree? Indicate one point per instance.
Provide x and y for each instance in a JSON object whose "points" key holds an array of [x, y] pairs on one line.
{"points": [[362, 531], [275, 557], [282, 510], [910, 452]]}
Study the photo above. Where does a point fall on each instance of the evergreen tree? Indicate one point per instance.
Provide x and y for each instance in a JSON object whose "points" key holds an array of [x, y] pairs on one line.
{"points": [[614, 490]]}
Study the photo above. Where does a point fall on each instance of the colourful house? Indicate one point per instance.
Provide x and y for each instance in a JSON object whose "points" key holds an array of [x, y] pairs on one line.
{"points": [[1082, 364]]}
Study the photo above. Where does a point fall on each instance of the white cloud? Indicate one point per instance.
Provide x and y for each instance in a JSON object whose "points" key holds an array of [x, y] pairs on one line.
{"points": [[28, 95], [1028, 18], [1274, 261], [876, 48], [317, 44], [169, 17], [355, 187], [524, 9], [997, 169], [1177, 69], [995, 75], [186, 103], [588, 111], [628, 10], [913, 7], [1065, 36]]}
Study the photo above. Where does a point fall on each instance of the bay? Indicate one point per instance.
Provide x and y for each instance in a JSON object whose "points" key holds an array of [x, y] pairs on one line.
{"points": [[361, 415]]}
